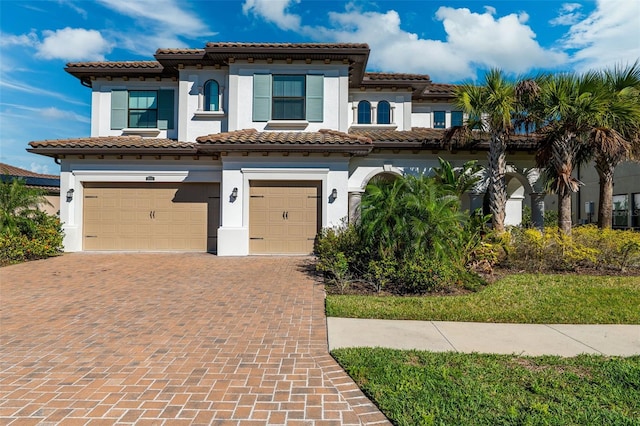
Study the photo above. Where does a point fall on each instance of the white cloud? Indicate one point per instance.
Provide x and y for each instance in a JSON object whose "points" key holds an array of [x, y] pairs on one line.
{"points": [[568, 15], [164, 23], [473, 39], [30, 39], [505, 42], [48, 113], [610, 35], [39, 168], [80, 11], [274, 11], [9, 84], [73, 44]]}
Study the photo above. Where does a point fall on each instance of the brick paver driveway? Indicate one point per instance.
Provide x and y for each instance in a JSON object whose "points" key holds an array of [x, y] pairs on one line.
{"points": [[169, 339]]}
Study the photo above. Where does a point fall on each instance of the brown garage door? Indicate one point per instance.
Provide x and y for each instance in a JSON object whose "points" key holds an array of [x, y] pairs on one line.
{"points": [[151, 217], [284, 217]]}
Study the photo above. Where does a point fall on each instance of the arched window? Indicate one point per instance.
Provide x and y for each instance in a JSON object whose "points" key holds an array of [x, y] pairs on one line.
{"points": [[364, 112], [384, 112], [211, 98]]}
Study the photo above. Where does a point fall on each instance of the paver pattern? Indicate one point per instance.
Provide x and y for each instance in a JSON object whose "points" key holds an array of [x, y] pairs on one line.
{"points": [[169, 339]]}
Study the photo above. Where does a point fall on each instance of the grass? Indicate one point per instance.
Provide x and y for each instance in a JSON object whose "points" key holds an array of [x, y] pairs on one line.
{"points": [[424, 388], [524, 298]]}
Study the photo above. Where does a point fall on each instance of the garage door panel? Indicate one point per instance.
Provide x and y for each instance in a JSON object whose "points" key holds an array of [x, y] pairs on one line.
{"points": [[151, 217], [286, 218]]}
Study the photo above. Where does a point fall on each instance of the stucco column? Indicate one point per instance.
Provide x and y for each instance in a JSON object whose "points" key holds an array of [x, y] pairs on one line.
{"points": [[354, 206], [476, 200], [200, 99], [537, 209]]}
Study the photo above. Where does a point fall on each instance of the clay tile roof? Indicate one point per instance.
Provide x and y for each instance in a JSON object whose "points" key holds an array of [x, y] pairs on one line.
{"points": [[416, 134], [180, 51], [375, 76], [439, 89], [111, 142], [6, 169], [252, 136], [117, 65], [288, 45], [434, 138], [50, 183]]}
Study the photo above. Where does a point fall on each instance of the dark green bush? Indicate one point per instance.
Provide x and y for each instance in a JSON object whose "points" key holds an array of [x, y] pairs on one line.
{"points": [[411, 239]]}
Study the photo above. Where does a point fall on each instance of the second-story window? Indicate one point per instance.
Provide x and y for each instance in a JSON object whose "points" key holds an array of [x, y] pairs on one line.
{"points": [[143, 109], [439, 120], [288, 97], [456, 118], [211, 96], [384, 112], [364, 112]]}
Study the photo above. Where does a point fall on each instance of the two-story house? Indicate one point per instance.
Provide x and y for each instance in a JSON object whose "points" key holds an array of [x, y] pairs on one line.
{"points": [[251, 148]]}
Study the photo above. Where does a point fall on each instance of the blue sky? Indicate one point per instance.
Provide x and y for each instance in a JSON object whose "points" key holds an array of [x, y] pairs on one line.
{"points": [[452, 41]]}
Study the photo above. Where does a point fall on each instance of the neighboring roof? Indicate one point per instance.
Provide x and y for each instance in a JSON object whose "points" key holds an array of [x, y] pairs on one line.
{"points": [[388, 76], [438, 90], [415, 82], [31, 179], [250, 139], [112, 145]]}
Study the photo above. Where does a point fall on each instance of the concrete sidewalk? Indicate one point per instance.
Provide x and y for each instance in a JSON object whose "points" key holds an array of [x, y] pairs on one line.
{"points": [[522, 339]]}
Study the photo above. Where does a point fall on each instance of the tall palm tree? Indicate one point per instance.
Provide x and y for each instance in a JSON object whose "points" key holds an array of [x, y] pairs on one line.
{"points": [[562, 108], [490, 107], [615, 135]]}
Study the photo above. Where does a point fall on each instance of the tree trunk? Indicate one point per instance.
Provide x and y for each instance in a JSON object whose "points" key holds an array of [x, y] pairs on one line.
{"points": [[497, 185], [563, 156], [605, 203], [564, 211], [605, 171]]}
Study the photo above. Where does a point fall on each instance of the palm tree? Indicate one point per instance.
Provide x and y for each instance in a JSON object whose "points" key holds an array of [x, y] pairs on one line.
{"points": [[615, 135], [18, 203], [458, 180], [562, 108], [490, 107], [411, 214]]}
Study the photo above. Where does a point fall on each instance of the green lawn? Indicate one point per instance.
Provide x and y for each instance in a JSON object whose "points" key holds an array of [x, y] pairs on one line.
{"points": [[424, 388], [523, 298]]}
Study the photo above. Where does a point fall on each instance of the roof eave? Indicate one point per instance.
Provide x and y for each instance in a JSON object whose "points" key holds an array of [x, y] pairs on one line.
{"points": [[59, 151]]}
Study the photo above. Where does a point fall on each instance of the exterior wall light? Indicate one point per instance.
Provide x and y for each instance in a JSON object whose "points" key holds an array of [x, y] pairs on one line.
{"points": [[70, 195], [334, 193], [234, 193]]}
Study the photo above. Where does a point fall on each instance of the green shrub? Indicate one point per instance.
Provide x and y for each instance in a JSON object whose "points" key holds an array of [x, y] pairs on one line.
{"points": [[381, 272], [41, 238], [411, 238], [421, 274]]}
